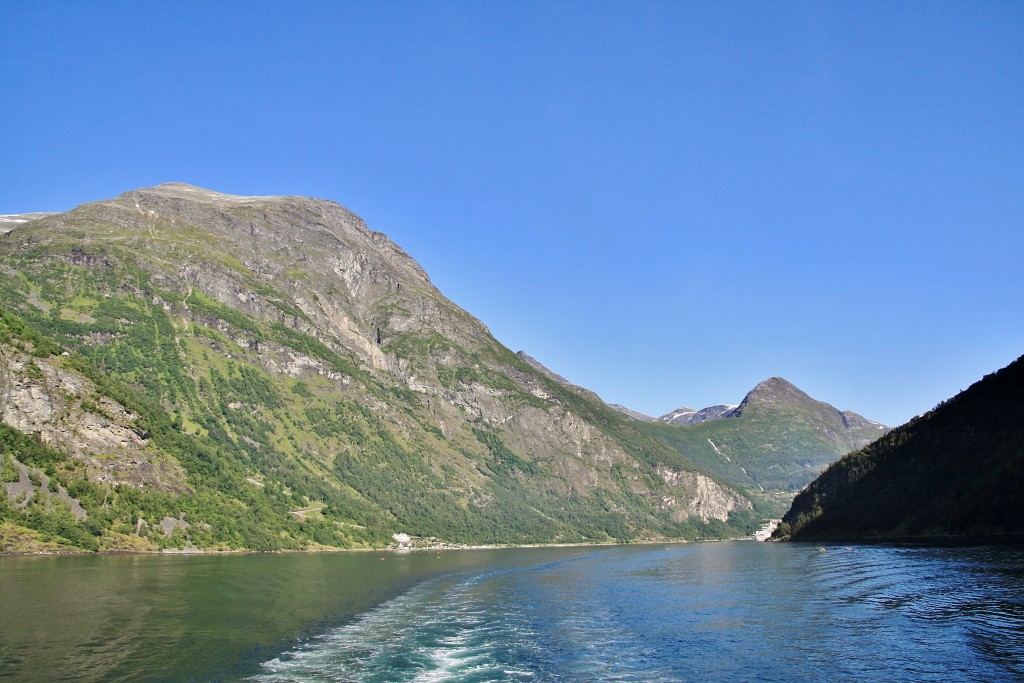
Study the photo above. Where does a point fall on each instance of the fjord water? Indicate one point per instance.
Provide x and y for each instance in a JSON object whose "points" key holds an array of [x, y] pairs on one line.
{"points": [[739, 611]]}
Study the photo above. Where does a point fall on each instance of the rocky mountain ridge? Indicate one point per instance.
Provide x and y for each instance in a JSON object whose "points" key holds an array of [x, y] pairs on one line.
{"points": [[689, 416], [629, 412], [773, 392]]}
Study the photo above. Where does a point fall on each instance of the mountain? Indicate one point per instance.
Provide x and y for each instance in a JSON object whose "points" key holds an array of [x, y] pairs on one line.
{"points": [[955, 472], [771, 445], [185, 368], [689, 416], [629, 412]]}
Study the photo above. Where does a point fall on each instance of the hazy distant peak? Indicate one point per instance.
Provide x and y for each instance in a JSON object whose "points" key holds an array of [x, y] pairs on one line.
{"points": [[772, 395], [10, 221], [636, 415], [537, 365], [689, 416], [777, 394], [555, 377]]}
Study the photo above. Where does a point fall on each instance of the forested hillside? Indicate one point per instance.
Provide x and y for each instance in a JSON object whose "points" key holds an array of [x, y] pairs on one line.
{"points": [[955, 472]]}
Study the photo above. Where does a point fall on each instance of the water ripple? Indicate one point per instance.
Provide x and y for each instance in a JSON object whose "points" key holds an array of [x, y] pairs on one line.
{"points": [[717, 613]]}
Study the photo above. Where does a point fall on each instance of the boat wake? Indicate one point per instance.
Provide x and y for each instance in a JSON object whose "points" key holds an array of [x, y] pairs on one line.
{"points": [[441, 630]]}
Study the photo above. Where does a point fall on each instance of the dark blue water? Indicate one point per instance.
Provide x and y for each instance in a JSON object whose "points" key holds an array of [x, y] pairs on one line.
{"points": [[731, 612], [702, 612]]}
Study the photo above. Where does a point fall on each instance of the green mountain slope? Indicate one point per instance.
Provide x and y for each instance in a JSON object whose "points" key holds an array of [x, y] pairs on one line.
{"points": [[955, 471], [186, 368], [773, 444]]}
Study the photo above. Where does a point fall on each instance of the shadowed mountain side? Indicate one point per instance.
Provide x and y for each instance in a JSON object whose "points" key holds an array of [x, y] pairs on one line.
{"points": [[955, 472]]}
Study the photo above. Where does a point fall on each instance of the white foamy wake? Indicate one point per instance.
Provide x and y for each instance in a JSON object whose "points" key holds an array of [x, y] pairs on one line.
{"points": [[439, 631]]}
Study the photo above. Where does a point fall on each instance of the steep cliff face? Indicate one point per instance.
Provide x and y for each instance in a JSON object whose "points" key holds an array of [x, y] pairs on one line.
{"points": [[956, 471], [41, 396], [277, 352], [712, 501]]}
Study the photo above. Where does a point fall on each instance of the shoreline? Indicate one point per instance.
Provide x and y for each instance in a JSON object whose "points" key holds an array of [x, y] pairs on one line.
{"points": [[919, 541], [386, 549]]}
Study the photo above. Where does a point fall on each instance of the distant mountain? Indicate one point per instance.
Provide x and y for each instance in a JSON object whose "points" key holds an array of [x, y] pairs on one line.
{"points": [[955, 472], [185, 368], [555, 377], [10, 221], [771, 445], [689, 416], [636, 415]]}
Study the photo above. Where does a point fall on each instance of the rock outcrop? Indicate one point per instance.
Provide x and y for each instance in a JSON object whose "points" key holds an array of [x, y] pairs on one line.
{"points": [[41, 396]]}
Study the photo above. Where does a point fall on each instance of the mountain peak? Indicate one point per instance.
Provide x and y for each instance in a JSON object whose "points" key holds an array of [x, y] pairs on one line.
{"points": [[775, 391], [196, 193], [776, 394], [167, 193]]}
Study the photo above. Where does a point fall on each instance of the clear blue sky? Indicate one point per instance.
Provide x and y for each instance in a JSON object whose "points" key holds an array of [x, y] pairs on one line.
{"points": [[666, 202]]}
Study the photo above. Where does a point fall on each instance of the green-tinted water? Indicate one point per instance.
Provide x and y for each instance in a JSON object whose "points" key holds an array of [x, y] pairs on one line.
{"points": [[192, 617]]}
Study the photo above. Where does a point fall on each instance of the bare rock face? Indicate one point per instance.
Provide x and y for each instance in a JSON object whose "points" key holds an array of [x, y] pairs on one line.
{"points": [[23, 491], [39, 396], [706, 500]]}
